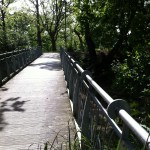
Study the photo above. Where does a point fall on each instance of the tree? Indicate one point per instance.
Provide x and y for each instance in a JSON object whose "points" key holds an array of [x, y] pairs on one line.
{"points": [[122, 31], [37, 12], [22, 31], [132, 74], [52, 19], [85, 18], [4, 4], [108, 24]]}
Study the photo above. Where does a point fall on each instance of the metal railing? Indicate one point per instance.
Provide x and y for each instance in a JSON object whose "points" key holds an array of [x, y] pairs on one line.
{"points": [[13, 62], [105, 122]]}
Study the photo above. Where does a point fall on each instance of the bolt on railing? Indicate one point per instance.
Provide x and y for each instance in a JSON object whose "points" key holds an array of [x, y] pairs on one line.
{"points": [[13, 62], [105, 122]]}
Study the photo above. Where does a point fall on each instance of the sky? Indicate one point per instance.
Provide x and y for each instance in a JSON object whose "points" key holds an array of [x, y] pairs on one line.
{"points": [[16, 6], [19, 4]]}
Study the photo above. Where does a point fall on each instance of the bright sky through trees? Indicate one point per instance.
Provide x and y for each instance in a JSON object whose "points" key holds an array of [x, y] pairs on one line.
{"points": [[20, 4]]}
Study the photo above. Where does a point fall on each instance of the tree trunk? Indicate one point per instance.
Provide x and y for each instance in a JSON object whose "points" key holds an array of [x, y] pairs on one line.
{"points": [[53, 42], [90, 44], [80, 39], [5, 47], [116, 51], [39, 41]]}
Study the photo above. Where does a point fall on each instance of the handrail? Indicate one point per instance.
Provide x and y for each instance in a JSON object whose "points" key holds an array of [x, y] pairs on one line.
{"points": [[96, 118], [13, 62]]}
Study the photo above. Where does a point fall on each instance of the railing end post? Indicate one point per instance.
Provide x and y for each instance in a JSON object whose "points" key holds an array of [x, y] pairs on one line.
{"points": [[114, 107]]}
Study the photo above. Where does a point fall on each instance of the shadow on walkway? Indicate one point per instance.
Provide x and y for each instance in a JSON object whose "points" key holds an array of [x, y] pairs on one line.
{"points": [[54, 56], [9, 105], [3, 89], [52, 66], [49, 62]]}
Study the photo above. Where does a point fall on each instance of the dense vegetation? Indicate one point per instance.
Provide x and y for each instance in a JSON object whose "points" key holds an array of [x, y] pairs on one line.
{"points": [[111, 38], [117, 36]]}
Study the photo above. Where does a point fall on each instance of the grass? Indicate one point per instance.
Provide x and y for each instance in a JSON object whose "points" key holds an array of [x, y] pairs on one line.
{"points": [[60, 141]]}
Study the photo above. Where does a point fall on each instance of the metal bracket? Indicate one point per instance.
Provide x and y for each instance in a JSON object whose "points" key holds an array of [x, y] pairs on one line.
{"points": [[86, 72], [75, 67], [114, 107]]}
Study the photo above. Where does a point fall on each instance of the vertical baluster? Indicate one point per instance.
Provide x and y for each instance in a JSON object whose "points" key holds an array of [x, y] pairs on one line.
{"points": [[85, 118], [25, 57], [16, 64], [63, 59], [76, 95], [18, 61], [68, 72], [18, 58], [28, 56], [1, 72], [13, 64], [124, 142], [22, 59], [72, 81], [65, 65], [7, 67]]}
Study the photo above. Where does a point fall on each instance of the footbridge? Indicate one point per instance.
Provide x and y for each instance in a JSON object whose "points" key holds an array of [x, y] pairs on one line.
{"points": [[47, 99]]}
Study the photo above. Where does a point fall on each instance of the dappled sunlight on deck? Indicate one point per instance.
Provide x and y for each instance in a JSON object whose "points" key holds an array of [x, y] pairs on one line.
{"points": [[34, 105]]}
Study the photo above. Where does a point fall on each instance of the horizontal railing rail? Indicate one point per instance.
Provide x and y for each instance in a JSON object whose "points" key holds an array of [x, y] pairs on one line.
{"points": [[105, 122], [13, 62]]}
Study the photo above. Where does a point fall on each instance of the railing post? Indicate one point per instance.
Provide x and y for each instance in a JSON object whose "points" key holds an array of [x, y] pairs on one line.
{"points": [[67, 71], [71, 81], [124, 138], [0, 72], [85, 117], [62, 58], [13, 64], [22, 59], [85, 123], [75, 95], [7, 67], [18, 60], [25, 56], [65, 66], [69, 74]]}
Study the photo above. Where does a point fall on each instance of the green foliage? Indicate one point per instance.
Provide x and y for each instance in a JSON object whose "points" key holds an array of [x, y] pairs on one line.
{"points": [[132, 80], [20, 30], [133, 74], [46, 44], [129, 23]]}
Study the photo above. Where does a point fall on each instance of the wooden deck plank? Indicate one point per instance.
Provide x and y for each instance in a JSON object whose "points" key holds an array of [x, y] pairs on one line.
{"points": [[34, 105]]}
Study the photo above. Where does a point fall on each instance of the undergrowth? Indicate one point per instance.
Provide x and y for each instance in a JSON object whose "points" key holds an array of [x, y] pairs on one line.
{"points": [[62, 142]]}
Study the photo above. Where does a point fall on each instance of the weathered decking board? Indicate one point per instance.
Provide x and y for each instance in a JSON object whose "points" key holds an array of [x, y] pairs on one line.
{"points": [[34, 106]]}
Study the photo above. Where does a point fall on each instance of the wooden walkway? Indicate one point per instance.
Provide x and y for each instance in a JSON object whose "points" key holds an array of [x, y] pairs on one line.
{"points": [[34, 106]]}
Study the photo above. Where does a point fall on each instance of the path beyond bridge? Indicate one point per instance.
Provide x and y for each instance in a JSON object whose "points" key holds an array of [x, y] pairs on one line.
{"points": [[34, 106]]}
